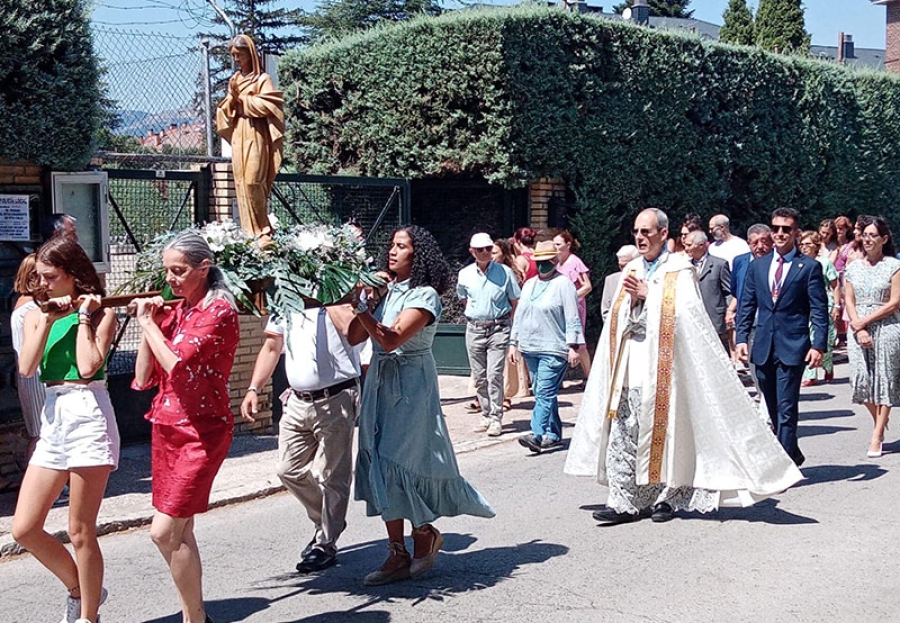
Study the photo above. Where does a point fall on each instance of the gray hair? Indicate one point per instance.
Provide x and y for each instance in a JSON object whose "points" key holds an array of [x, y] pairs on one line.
{"points": [[662, 221], [759, 228], [698, 237], [195, 249], [628, 251], [720, 219]]}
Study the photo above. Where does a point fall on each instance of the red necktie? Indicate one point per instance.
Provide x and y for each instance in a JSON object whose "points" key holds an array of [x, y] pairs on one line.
{"points": [[776, 285]]}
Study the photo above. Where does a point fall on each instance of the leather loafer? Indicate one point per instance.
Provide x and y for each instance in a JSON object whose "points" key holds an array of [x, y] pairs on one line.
{"points": [[662, 513], [610, 516], [316, 560], [531, 442]]}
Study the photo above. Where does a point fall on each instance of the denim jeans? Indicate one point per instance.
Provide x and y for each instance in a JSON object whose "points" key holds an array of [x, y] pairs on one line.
{"points": [[547, 373]]}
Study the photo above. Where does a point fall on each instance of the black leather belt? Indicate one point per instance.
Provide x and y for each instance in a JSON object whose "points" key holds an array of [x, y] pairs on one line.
{"points": [[326, 392], [490, 323]]}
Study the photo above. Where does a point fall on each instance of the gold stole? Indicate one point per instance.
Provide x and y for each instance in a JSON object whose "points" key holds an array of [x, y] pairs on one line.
{"points": [[616, 352], [663, 377]]}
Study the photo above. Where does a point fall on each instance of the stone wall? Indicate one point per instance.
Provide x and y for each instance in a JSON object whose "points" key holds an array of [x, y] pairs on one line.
{"points": [[252, 337]]}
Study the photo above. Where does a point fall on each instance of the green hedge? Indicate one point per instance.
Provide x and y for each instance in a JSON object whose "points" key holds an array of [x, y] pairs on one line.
{"points": [[49, 83], [628, 116]]}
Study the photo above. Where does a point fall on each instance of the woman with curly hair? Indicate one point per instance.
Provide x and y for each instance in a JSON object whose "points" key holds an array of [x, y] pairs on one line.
{"points": [[690, 222], [406, 468], [68, 340]]}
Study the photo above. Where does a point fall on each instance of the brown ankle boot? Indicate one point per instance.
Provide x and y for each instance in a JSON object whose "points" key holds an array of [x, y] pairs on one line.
{"points": [[396, 567]]}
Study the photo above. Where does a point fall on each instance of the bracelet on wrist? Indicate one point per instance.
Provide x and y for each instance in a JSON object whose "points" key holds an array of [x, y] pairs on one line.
{"points": [[254, 389]]}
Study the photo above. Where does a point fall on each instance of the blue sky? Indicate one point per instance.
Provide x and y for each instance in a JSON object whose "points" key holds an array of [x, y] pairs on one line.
{"points": [[824, 18]]}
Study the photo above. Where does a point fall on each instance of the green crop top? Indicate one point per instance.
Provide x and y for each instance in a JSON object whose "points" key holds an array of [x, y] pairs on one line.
{"points": [[58, 363]]}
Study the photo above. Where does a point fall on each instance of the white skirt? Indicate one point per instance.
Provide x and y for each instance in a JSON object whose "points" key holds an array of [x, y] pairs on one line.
{"points": [[78, 428]]}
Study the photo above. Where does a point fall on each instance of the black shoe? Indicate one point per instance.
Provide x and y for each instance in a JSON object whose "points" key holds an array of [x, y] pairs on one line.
{"points": [[549, 444], [662, 513], [308, 549], [317, 560], [610, 516], [531, 442], [799, 459]]}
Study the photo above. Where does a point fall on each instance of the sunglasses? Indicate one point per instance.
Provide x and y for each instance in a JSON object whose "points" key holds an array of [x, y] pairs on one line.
{"points": [[643, 231], [784, 229], [483, 249]]}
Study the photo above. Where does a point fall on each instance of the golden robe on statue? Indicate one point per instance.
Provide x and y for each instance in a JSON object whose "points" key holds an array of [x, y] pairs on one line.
{"points": [[251, 119]]}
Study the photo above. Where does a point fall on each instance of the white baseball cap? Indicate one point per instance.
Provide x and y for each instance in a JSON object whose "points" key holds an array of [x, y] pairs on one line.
{"points": [[481, 240]]}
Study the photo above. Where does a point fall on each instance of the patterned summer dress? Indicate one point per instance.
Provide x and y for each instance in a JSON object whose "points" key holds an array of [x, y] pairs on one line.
{"points": [[875, 372]]}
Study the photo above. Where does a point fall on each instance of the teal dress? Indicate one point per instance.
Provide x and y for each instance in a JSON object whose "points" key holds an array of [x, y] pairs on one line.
{"points": [[406, 467]]}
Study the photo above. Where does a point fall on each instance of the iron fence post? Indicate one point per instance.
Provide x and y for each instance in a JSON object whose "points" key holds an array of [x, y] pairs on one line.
{"points": [[207, 99]]}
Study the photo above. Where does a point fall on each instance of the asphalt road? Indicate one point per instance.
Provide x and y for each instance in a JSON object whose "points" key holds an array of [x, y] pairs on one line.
{"points": [[822, 551]]}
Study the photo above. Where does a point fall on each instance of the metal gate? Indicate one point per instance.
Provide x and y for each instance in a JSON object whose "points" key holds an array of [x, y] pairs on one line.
{"points": [[379, 206]]}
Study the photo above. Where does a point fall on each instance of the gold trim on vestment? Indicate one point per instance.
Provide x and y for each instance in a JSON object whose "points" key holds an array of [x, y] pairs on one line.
{"points": [[663, 377], [614, 354]]}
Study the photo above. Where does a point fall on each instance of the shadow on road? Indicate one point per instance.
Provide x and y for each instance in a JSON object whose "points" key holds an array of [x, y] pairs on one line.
{"points": [[766, 511], [826, 415], [456, 571], [812, 431], [861, 472]]}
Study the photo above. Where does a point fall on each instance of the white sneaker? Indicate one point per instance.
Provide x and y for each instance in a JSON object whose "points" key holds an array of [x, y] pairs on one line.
{"points": [[482, 425], [73, 608], [495, 429]]}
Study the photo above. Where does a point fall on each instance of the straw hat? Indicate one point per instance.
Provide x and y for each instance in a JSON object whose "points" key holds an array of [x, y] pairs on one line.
{"points": [[545, 250]]}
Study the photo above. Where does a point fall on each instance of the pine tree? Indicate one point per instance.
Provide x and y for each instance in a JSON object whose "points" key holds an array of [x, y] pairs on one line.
{"points": [[336, 18], [780, 27], [273, 28], [662, 8], [737, 24]]}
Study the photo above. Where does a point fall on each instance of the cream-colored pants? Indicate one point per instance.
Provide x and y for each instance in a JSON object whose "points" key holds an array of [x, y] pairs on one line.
{"points": [[315, 459]]}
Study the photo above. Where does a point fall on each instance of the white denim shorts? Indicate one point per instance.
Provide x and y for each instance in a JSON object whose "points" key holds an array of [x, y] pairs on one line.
{"points": [[78, 428]]}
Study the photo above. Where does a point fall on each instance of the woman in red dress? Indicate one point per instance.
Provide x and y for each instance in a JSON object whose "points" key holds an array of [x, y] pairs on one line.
{"points": [[188, 350]]}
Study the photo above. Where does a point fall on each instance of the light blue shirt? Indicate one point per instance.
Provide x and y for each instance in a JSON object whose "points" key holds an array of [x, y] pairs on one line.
{"points": [[546, 319], [488, 294]]}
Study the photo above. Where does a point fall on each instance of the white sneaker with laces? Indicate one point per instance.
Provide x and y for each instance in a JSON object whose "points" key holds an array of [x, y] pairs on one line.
{"points": [[495, 429], [73, 608]]}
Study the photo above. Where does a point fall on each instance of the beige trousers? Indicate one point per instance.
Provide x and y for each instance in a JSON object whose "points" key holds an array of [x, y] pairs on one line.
{"points": [[315, 459]]}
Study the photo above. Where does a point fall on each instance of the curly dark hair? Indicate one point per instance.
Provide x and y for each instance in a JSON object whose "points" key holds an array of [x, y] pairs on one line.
{"points": [[67, 255], [429, 268]]}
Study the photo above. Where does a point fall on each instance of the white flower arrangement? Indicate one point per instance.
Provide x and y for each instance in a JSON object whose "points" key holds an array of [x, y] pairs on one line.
{"points": [[303, 263]]}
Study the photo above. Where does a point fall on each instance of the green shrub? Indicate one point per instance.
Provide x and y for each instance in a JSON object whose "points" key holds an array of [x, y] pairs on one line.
{"points": [[49, 89], [628, 117]]}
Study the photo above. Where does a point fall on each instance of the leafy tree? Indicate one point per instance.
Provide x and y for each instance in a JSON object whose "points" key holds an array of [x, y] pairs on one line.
{"points": [[737, 26], [780, 27], [662, 8], [336, 18]]}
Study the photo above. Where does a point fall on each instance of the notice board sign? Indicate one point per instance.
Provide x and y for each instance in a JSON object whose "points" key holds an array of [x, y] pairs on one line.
{"points": [[15, 218]]}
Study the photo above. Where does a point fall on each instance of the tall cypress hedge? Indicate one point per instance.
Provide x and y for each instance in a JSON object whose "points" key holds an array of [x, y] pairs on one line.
{"points": [[628, 116], [49, 83]]}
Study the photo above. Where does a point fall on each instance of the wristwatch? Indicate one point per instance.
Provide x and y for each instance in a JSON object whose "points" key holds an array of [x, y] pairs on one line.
{"points": [[253, 388]]}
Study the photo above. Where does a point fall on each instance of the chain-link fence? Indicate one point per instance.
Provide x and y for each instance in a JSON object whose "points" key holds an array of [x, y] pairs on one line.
{"points": [[156, 99]]}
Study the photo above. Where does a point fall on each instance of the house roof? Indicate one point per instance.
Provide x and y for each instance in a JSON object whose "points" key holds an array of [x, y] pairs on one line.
{"points": [[871, 58]]}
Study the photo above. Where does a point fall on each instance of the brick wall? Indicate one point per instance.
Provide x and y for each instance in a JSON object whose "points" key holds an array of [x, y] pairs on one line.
{"points": [[17, 172], [539, 195], [892, 54], [252, 337], [222, 196]]}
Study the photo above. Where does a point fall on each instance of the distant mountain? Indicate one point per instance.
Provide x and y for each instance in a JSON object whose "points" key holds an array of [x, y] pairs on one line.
{"points": [[139, 122]]}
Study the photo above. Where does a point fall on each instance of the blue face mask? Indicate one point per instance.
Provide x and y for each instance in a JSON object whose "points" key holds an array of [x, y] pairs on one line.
{"points": [[546, 267]]}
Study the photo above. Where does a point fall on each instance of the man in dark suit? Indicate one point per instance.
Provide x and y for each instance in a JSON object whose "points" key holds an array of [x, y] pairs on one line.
{"points": [[785, 291], [714, 278]]}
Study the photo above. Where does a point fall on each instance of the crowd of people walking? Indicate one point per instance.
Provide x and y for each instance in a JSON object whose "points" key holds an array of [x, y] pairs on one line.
{"points": [[666, 423]]}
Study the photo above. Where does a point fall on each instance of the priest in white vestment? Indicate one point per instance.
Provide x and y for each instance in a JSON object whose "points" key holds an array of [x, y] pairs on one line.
{"points": [[665, 423]]}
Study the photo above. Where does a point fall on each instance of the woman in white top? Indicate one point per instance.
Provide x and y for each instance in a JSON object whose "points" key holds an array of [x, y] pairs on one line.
{"points": [[31, 390]]}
